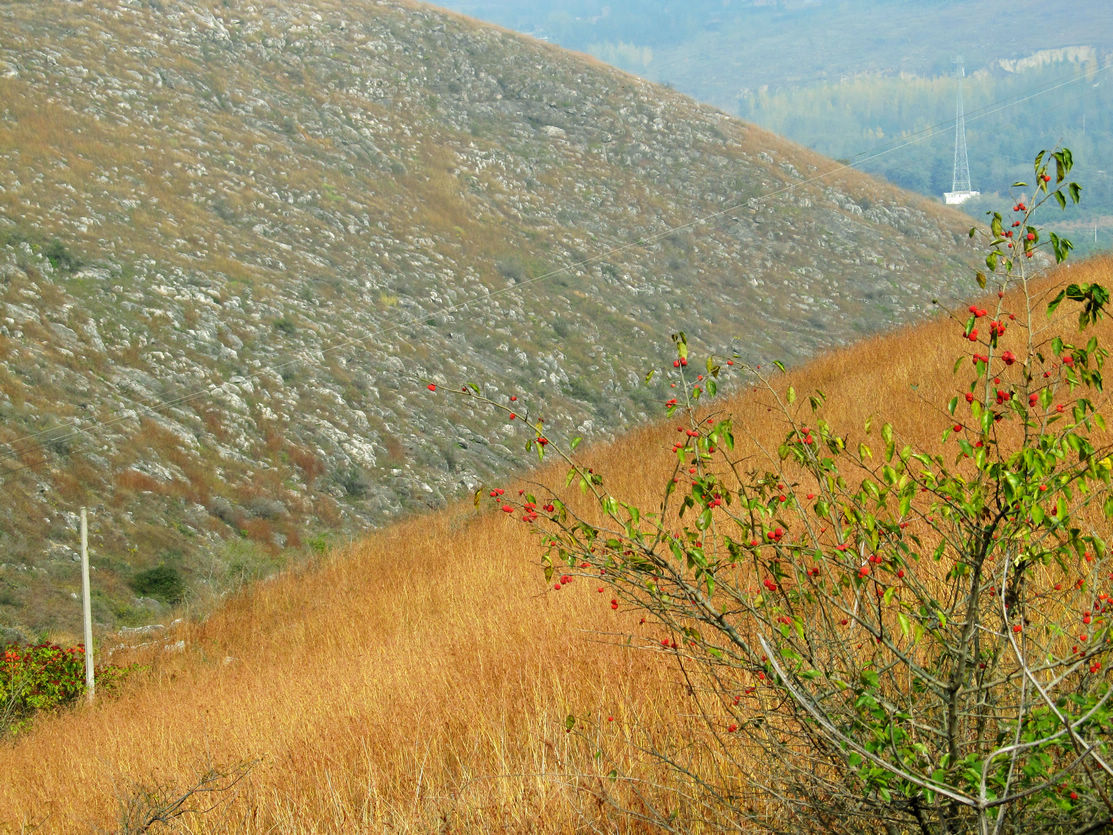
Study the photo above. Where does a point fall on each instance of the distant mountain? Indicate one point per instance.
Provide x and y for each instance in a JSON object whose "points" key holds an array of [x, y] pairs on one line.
{"points": [[237, 244], [714, 48]]}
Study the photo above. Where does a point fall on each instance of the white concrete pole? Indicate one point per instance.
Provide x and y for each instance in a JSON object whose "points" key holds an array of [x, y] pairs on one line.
{"points": [[87, 606]]}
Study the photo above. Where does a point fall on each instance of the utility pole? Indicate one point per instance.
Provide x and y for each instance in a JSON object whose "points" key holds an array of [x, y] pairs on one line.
{"points": [[87, 607]]}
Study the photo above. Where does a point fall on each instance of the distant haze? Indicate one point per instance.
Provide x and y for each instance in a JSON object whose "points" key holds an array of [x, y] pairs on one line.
{"points": [[873, 82]]}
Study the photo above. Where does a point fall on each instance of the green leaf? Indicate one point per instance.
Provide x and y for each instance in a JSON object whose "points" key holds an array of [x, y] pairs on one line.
{"points": [[681, 342], [569, 722], [790, 395], [987, 422], [1054, 303]]}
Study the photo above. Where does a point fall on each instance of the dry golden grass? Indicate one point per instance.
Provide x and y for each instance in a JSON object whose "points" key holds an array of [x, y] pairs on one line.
{"points": [[419, 680]]}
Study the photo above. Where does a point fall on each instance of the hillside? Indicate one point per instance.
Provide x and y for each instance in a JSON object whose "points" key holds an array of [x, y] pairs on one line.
{"points": [[419, 680], [872, 81], [237, 243]]}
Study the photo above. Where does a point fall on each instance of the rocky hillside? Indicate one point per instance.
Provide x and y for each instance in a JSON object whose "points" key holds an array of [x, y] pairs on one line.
{"points": [[237, 243]]}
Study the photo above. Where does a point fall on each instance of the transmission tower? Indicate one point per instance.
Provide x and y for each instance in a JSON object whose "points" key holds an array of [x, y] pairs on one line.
{"points": [[961, 190]]}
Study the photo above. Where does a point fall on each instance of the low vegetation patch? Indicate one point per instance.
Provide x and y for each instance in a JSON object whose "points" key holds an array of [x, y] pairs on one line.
{"points": [[41, 678]]}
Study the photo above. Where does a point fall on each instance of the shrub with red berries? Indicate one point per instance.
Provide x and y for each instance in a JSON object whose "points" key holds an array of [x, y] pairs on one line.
{"points": [[42, 677], [897, 629]]}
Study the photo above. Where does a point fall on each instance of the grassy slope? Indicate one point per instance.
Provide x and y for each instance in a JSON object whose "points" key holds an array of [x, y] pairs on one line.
{"points": [[419, 680], [294, 215]]}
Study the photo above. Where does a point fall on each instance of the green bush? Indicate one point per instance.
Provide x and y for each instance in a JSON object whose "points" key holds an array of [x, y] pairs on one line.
{"points": [[163, 582], [60, 257]]}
